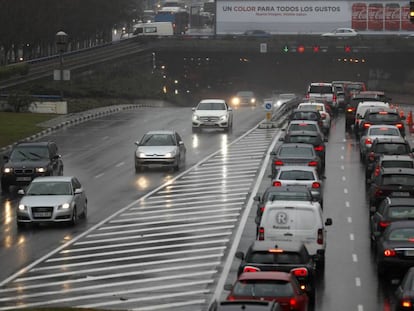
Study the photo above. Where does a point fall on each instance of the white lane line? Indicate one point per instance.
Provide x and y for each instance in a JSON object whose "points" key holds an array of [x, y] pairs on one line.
{"points": [[185, 182], [342, 157], [151, 298], [360, 308], [138, 250], [105, 137], [224, 184], [146, 230], [358, 282], [136, 257], [146, 242], [342, 167], [99, 175], [345, 190], [155, 223], [83, 279], [354, 258], [347, 203], [343, 147], [349, 219], [343, 178], [156, 209], [120, 164], [351, 236], [162, 214], [169, 306], [214, 166], [105, 294], [58, 274], [223, 198]]}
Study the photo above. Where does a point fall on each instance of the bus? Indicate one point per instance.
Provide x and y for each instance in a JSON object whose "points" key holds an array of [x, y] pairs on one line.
{"points": [[179, 18]]}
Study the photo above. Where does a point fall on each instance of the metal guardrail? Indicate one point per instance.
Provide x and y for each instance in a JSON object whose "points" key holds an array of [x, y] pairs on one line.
{"points": [[282, 105]]}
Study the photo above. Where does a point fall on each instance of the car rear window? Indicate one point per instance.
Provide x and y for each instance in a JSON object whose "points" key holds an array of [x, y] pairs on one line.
{"points": [[401, 234], [295, 151], [321, 89], [398, 179], [296, 175], [289, 196], [383, 117], [306, 115], [303, 127], [274, 258], [392, 148], [397, 163], [401, 212], [388, 131], [263, 288], [304, 139]]}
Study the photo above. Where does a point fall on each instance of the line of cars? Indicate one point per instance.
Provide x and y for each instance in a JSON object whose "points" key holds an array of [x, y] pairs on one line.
{"points": [[388, 159], [287, 259]]}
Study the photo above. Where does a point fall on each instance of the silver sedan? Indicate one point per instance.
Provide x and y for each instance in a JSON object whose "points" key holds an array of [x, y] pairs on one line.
{"points": [[52, 199]]}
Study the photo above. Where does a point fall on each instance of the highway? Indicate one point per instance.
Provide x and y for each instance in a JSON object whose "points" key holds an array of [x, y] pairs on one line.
{"points": [[165, 241]]}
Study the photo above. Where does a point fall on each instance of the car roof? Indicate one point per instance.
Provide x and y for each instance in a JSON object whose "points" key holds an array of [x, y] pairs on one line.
{"points": [[300, 204], [52, 178], [396, 224], [298, 145], [321, 83], [304, 133], [160, 132], [374, 103], [381, 109], [265, 275], [396, 157], [291, 246], [212, 100], [304, 121]]}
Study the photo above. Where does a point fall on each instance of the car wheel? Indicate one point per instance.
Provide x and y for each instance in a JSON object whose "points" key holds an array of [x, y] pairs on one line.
{"points": [[177, 166], [75, 217], [320, 265], [5, 187], [85, 210], [60, 173]]}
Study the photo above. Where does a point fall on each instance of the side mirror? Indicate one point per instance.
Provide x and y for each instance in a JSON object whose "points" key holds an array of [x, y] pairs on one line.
{"points": [[78, 190], [193, 109], [256, 198], [181, 143], [20, 191], [137, 143], [328, 222], [230, 109], [239, 255], [273, 153]]}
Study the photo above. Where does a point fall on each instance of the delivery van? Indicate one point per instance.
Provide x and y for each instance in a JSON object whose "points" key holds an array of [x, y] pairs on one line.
{"points": [[154, 29], [296, 221]]}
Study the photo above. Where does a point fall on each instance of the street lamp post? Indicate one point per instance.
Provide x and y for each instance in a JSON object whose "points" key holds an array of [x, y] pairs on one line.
{"points": [[61, 43]]}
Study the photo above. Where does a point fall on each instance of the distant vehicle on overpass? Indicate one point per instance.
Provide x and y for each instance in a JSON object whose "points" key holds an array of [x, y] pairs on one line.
{"points": [[178, 16]]}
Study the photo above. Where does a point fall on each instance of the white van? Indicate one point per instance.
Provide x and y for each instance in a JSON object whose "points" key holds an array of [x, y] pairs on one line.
{"points": [[296, 221], [363, 107], [154, 29]]}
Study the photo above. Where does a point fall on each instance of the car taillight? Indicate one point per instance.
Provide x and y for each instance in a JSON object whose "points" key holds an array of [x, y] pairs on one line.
{"points": [[406, 302], [399, 125], [230, 298], [316, 185], [377, 170], [278, 163], [293, 303], [323, 115], [300, 272], [389, 253], [262, 208], [307, 96], [367, 125], [313, 163], [371, 156], [383, 224], [320, 237], [368, 141], [277, 184], [319, 148], [350, 110], [250, 269], [261, 234], [334, 98]]}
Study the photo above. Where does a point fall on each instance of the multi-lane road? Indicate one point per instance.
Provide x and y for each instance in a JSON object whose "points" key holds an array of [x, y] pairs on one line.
{"points": [[161, 240]]}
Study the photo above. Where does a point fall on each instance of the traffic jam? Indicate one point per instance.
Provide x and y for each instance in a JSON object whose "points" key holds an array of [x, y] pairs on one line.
{"points": [[285, 264]]}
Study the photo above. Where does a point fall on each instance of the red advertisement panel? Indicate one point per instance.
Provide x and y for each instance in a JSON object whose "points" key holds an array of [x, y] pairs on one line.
{"points": [[405, 18], [375, 16], [359, 16], [392, 16]]}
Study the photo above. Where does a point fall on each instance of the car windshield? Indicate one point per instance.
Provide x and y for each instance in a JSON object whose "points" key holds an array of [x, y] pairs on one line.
{"points": [[211, 106], [263, 288], [157, 140], [281, 257], [31, 153], [49, 188]]}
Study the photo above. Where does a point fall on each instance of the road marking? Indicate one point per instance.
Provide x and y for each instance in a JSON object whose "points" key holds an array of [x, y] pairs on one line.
{"points": [[99, 175], [350, 219], [358, 282], [343, 178], [120, 164], [354, 258], [360, 308], [342, 167], [351, 236], [345, 190], [347, 203], [342, 157]]}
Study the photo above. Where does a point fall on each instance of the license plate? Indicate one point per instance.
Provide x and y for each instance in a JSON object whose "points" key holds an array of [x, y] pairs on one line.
{"points": [[42, 214], [409, 253], [400, 194], [23, 178], [208, 123]]}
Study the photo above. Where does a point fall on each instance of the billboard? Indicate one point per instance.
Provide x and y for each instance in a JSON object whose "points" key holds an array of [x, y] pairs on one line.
{"points": [[312, 17]]}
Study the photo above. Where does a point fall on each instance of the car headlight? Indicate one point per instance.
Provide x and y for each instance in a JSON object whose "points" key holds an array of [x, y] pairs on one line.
{"points": [[253, 100], [7, 170], [41, 170], [170, 154], [235, 101], [22, 207], [64, 206], [223, 118], [195, 117], [140, 154]]}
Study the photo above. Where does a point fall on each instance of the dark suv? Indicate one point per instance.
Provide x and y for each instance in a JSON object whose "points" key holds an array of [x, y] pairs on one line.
{"points": [[28, 161]]}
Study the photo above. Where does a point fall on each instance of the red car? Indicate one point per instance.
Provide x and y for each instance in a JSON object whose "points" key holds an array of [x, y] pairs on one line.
{"points": [[281, 287]]}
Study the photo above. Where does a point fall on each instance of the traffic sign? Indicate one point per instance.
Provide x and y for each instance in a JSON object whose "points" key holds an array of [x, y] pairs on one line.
{"points": [[268, 106]]}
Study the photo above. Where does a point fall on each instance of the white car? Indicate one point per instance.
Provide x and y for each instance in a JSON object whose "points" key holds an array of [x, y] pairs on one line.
{"points": [[52, 199], [373, 132], [321, 108], [341, 32], [212, 113]]}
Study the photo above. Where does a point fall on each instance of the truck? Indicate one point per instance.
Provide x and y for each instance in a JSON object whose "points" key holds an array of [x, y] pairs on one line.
{"points": [[177, 16]]}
